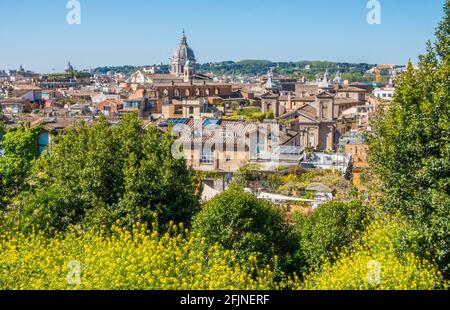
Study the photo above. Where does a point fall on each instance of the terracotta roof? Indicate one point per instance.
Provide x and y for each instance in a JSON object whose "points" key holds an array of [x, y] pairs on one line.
{"points": [[28, 87], [139, 94], [318, 187], [340, 101], [309, 111], [217, 134], [162, 76], [306, 110], [269, 95], [286, 136], [194, 83], [307, 86], [301, 99], [11, 100], [113, 102], [21, 92], [351, 89], [60, 123], [325, 95]]}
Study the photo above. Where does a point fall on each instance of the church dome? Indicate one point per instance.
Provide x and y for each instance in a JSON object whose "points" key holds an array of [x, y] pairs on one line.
{"points": [[183, 52]]}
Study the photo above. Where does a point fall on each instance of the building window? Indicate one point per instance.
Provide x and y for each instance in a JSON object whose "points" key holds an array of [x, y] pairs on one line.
{"points": [[207, 92], [177, 93], [273, 138], [191, 110], [207, 157], [229, 134], [197, 92], [324, 110], [260, 149], [187, 92], [131, 105], [217, 91]]}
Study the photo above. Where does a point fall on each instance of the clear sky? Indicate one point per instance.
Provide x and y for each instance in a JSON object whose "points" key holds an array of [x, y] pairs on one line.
{"points": [[35, 34]]}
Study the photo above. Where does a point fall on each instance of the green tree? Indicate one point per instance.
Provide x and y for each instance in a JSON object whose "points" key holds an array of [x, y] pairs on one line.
{"points": [[20, 150], [157, 183], [239, 221], [97, 174], [324, 233], [411, 147], [2, 129]]}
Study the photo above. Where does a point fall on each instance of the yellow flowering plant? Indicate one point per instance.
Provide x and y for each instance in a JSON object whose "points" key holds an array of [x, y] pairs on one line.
{"points": [[137, 259], [375, 263]]}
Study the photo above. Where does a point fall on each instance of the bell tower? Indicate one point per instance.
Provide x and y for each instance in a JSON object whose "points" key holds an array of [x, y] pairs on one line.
{"points": [[189, 71]]}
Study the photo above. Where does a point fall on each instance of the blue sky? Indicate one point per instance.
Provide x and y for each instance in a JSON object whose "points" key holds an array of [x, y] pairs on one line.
{"points": [[139, 32]]}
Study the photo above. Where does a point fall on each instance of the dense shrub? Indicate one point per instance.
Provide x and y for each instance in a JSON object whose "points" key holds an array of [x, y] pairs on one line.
{"points": [[324, 233], [241, 222]]}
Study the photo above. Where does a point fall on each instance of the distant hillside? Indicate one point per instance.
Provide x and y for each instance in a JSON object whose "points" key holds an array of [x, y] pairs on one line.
{"points": [[114, 70], [309, 69], [298, 69]]}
